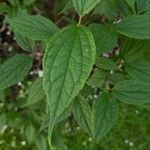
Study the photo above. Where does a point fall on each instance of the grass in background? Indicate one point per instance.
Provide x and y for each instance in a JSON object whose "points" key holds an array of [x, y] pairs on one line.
{"points": [[132, 132]]}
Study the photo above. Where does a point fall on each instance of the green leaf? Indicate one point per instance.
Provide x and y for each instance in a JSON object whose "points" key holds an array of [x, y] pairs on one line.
{"points": [[136, 26], [83, 7], [14, 70], [109, 9], [87, 91], [2, 96], [15, 120], [13, 3], [2, 121], [41, 142], [46, 119], [82, 113], [4, 8], [146, 51], [36, 93], [105, 39], [143, 5], [25, 43], [105, 63], [99, 120], [98, 78], [30, 132], [28, 2], [139, 69], [116, 77], [131, 50], [68, 61], [131, 3], [68, 6], [132, 92], [123, 8], [112, 9], [105, 115], [33, 27]]}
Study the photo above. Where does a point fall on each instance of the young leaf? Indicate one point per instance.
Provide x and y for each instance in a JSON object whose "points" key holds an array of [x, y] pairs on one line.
{"points": [[82, 113], [68, 61], [105, 63], [116, 77], [98, 78], [14, 70], [36, 93], [136, 26], [132, 92], [24, 43], [105, 114], [87, 91], [105, 39], [33, 27], [139, 69], [83, 7]]}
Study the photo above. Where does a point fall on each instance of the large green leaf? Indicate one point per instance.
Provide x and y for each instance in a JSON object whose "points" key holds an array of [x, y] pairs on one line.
{"points": [[14, 70], [83, 7], [82, 113], [136, 26], [139, 69], [105, 114], [132, 92], [105, 39], [32, 27], [36, 93], [68, 61]]}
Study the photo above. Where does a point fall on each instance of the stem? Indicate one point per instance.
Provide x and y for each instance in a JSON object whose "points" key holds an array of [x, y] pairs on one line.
{"points": [[50, 130], [80, 20], [50, 144]]}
